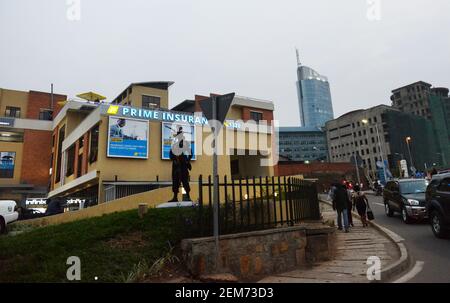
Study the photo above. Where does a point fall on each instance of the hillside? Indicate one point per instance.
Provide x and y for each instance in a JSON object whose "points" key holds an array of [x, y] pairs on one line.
{"points": [[118, 247]]}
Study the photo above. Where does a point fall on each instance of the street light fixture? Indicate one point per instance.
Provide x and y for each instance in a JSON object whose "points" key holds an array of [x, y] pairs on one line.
{"points": [[408, 141]]}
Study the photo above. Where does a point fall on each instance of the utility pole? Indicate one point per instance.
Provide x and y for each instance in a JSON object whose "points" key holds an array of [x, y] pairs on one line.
{"points": [[381, 152], [356, 160], [215, 181], [408, 140], [51, 96]]}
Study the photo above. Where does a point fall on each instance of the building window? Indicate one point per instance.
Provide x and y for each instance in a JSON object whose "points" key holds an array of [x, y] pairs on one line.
{"points": [[150, 101], [70, 160], [80, 165], [61, 136], [46, 114], [256, 116], [93, 154], [12, 111], [234, 167], [81, 142]]}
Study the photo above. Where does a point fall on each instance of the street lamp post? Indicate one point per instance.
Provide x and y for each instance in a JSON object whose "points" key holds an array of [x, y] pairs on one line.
{"points": [[408, 140], [356, 160]]}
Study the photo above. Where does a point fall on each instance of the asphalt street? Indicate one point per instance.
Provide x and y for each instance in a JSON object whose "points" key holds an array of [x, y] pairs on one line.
{"points": [[421, 243]]}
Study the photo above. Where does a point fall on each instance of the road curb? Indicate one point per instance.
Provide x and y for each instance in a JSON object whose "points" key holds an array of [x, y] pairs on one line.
{"points": [[402, 264]]}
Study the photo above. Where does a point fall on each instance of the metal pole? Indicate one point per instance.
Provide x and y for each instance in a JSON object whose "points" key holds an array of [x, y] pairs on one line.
{"points": [[381, 152], [51, 97], [356, 160], [409, 152], [215, 182]]}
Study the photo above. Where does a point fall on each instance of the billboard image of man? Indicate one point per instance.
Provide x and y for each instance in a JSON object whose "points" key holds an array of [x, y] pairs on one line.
{"points": [[181, 165], [116, 131]]}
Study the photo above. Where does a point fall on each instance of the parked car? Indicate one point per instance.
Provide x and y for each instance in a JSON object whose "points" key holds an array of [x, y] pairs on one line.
{"points": [[438, 204], [8, 214], [406, 196], [30, 213]]}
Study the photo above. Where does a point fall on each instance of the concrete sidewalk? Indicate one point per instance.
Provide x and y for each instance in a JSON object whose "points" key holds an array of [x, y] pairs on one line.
{"points": [[352, 251]]}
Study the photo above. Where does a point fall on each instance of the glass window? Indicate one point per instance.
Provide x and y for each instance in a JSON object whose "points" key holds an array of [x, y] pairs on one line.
{"points": [[150, 101], [256, 116], [80, 164], [70, 160], [445, 185], [93, 154], [12, 111], [61, 136], [413, 187], [46, 114]]}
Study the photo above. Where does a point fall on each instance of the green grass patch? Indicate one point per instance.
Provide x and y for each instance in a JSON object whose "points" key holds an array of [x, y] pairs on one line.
{"points": [[109, 247]]}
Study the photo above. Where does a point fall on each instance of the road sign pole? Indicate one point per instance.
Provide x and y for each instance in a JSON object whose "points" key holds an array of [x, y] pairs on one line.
{"points": [[215, 181]]}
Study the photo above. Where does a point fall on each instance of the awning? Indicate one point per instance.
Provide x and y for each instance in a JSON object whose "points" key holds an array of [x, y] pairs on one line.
{"points": [[91, 96]]}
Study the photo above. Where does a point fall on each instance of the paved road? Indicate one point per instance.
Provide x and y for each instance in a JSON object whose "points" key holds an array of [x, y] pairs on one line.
{"points": [[421, 243]]}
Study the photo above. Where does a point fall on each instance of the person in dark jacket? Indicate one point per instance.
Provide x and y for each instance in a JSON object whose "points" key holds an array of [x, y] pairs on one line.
{"points": [[360, 202], [181, 165], [340, 205]]}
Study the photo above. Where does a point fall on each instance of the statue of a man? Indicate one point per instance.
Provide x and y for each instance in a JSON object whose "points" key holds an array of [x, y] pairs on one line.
{"points": [[180, 154]]}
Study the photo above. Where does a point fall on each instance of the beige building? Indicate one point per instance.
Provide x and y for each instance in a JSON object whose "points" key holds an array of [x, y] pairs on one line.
{"points": [[105, 151]]}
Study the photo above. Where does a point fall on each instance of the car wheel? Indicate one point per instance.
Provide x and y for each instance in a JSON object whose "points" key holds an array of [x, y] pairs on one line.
{"points": [[2, 226], [405, 218], [436, 225], [389, 212]]}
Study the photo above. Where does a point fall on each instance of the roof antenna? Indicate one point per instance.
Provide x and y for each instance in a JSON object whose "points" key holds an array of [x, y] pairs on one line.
{"points": [[298, 57]]}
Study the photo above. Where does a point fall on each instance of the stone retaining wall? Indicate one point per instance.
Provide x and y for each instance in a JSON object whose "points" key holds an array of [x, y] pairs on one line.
{"points": [[250, 256]]}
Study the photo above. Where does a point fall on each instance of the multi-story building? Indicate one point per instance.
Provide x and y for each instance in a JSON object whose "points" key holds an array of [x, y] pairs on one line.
{"points": [[382, 133], [440, 112], [25, 142], [421, 99], [314, 97], [105, 151], [302, 144], [413, 99]]}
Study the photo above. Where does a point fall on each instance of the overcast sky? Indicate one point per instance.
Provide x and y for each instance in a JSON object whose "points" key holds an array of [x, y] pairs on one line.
{"points": [[242, 46]]}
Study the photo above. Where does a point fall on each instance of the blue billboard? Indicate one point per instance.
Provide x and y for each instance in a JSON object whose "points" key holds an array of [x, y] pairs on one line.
{"points": [[127, 138], [7, 164]]}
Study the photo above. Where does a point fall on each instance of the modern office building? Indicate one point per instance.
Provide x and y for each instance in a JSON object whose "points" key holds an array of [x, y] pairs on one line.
{"points": [[102, 152], [382, 133], [25, 142], [302, 144], [314, 97]]}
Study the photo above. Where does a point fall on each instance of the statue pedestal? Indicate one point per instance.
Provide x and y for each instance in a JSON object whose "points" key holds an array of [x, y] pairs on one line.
{"points": [[176, 204]]}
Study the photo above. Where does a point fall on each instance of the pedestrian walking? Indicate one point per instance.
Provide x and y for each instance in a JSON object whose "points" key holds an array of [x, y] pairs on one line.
{"points": [[360, 202], [340, 205], [350, 206]]}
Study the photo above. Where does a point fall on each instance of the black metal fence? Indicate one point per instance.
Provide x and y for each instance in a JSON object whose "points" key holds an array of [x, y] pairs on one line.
{"points": [[248, 204]]}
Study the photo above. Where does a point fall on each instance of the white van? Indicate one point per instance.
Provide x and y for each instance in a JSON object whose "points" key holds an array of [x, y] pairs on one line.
{"points": [[8, 214]]}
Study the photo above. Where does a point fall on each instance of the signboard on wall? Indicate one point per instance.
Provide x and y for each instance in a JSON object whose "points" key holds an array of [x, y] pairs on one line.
{"points": [[7, 160], [169, 136], [127, 138]]}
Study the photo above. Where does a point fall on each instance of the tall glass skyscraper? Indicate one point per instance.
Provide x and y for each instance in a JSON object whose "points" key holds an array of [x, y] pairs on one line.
{"points": [[314, 97]]}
